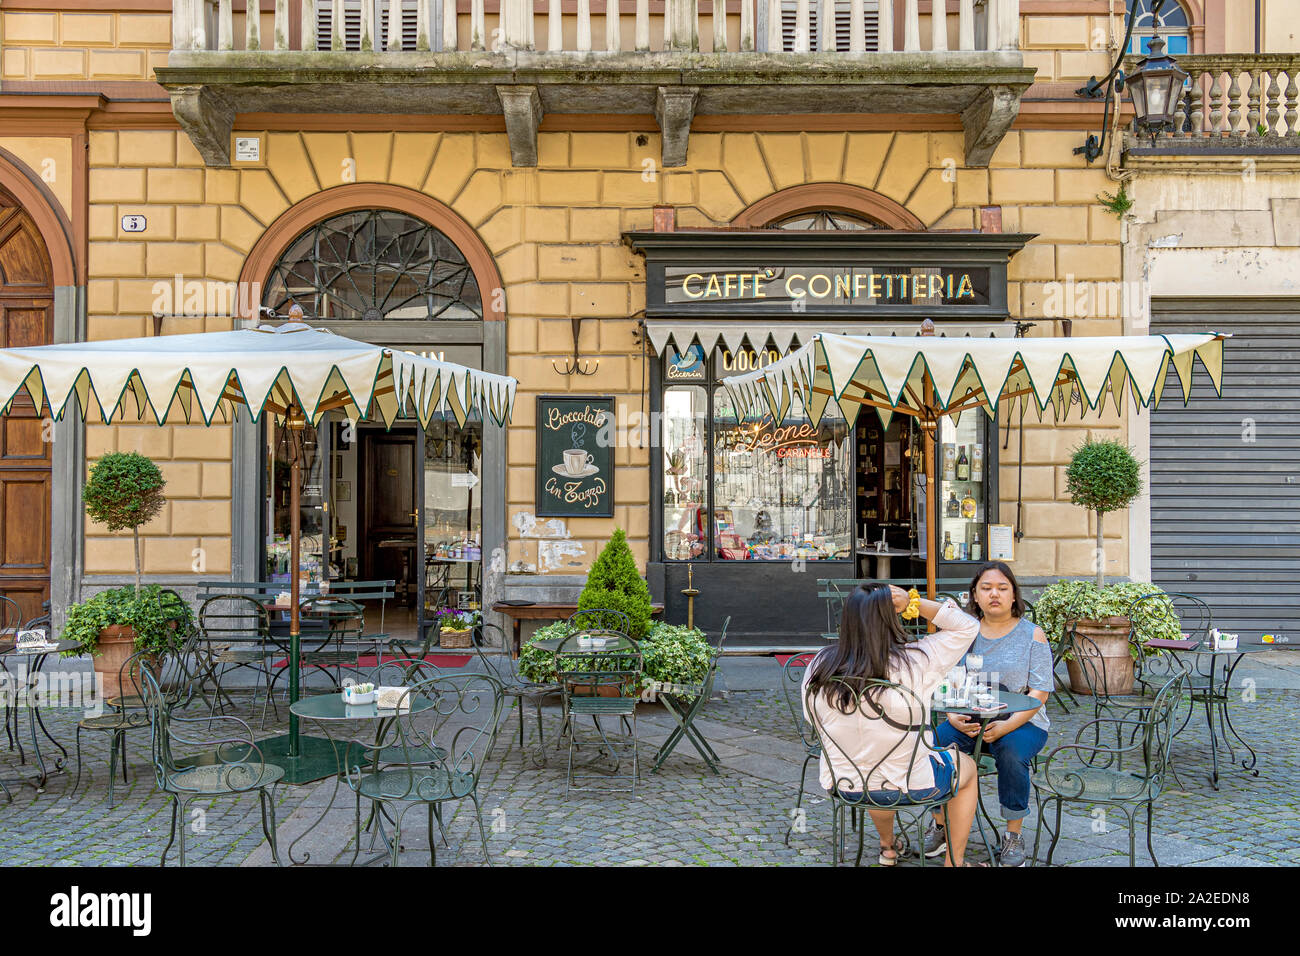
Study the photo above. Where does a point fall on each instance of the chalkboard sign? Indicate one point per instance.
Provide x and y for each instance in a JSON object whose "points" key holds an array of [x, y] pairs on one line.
{"points": [[575, 457]]}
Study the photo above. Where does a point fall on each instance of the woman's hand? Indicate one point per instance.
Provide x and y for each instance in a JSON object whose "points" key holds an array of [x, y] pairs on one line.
{"points": [[967, 725], [994, 730], [900, 598]]}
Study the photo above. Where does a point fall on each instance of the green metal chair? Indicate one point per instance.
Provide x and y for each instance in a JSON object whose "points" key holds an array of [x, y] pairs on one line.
{"points": [[465, 706], [600, 619], [853, 791], [129, 714], [228, 766], [792, 675], [518, 689], [684, 703], [235, 632], [599, 683], [1097, 775]]}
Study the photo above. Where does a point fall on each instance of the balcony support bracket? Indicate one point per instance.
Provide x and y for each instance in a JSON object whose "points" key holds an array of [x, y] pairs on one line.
{"points": [[986, 120], [523, 112], [207, 119], [674, 110]]}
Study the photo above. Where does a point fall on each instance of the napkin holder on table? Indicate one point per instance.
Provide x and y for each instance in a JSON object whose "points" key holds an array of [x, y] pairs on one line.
{"points": [[389, 698]]}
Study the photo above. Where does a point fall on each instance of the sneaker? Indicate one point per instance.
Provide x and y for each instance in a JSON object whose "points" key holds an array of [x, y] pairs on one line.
{"points": [[936, 839], [1013, 850]]}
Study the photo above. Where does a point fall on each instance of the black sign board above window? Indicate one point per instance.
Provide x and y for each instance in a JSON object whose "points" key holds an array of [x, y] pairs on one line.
{"points": [[874, 273], [575, 456]]}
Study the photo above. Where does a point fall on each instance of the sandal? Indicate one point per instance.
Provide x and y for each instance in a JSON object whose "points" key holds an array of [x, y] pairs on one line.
{"points": [[898, 849]]}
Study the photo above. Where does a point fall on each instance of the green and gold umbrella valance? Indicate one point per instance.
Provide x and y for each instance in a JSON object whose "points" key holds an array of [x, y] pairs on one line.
{"points": [[927, 376], [206, 377]]}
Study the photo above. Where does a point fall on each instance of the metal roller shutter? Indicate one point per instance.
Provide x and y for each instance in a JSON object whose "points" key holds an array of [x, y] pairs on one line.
{"points": [[1225, 473]]}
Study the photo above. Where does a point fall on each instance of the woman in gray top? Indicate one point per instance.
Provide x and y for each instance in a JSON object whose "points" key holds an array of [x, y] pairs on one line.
{"points": [[1015, 655]]}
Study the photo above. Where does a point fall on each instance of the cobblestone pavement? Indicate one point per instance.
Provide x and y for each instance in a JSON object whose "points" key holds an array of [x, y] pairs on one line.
{"points": [[683, 815]]}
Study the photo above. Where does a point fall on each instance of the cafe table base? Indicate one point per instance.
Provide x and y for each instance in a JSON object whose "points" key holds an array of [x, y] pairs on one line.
{"points": [[1212, 690], [316, 758], [30, 700]]}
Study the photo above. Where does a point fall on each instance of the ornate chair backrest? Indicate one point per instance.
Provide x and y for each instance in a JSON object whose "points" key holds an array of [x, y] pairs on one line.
{"points": [[1190, 614], [237, 618], [159, 710], [465, 706], [402, 671], [792, 675], [875, 701], [11, 618], [1158, 732], [582, 672], [501, 666], [600, 619], [1089, 660], [342, 618]]}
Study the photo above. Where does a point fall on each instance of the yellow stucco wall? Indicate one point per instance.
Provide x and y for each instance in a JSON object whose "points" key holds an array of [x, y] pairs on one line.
{"points": [[555, 233], [78, 46]]}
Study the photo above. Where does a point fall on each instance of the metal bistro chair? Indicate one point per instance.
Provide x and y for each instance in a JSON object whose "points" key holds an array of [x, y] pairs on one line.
{"points": [[902, 710], [236, 634], [595, 683], [11, 620], [684, 703], [339, 640], [466, 706], [792, 675], [517, 688], [127, 712], [1098, 777], [226, 766]]}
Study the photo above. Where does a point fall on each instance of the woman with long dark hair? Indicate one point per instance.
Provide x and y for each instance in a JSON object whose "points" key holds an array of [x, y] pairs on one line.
{"points": [[878, 738], [1015, 654]]}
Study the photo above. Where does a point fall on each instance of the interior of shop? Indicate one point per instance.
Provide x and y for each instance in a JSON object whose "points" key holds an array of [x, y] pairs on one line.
{"points": [[401, 504]]}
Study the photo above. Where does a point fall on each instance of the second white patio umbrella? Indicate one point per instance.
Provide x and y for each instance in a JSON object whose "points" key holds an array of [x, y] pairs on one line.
{"points": [[291, 371]]}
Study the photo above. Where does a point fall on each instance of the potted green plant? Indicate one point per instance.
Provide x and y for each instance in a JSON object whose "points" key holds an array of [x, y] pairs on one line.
{"points": [[118, 622], [1081, 605], [456, 627], [614, 582], [1103, 476], [124, 490]]}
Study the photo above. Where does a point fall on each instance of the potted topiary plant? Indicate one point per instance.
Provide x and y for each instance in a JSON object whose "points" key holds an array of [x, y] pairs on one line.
{"points": [[124, 490], [115, 623], [614, 582], [1104, 476], [1081, 605]]}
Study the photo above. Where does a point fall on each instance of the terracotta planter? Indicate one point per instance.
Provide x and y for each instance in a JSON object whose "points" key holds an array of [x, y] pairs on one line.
{"points": [[1114, 671], [116, 644]]}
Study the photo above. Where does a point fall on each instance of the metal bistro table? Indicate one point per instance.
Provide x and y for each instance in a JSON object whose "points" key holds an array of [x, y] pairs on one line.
{"points": [[1016, 703], [327, 711], [1211, 687], [24, 696]]}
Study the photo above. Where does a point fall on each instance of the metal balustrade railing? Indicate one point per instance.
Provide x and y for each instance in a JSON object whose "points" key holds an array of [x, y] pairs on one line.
{"points": [[553, 26]]}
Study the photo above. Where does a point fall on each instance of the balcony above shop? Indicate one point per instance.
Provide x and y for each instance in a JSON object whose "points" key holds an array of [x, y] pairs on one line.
{"points": [[522, 60], [1237, 107]]}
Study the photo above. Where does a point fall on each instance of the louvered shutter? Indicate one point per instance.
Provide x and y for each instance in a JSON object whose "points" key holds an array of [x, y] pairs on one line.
{"points": [[789, 21]]}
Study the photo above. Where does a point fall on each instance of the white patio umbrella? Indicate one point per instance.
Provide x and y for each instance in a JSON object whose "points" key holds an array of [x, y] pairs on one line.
{"points": [[291, 371], [927, 377]]}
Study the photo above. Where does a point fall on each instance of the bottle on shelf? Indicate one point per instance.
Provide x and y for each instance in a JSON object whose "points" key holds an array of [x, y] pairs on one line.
{"points": [[976, 548], [949, 462], [968, 505], [949, 551], [977, 461], [952, 507], [963, 465]]}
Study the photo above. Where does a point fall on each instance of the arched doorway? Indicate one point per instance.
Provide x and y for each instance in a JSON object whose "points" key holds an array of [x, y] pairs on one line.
{"points": [[408, 504], [26, 446]]}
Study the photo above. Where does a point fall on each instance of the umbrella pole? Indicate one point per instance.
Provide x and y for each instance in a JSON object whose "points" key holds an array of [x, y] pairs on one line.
{"points": [[295, 426]]}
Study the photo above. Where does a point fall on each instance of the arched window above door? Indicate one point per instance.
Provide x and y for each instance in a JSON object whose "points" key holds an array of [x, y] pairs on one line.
{"points": [[1172, 24], [375, 265], [831, 220]]}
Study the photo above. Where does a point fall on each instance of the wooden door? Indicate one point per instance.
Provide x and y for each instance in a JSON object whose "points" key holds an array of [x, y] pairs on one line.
{"points": [[26, 318], [387, 502]]}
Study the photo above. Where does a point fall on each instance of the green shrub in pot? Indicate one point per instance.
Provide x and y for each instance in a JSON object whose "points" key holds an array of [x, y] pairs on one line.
{"points": [[161, 623], [615, 583], [1067, 601], [124, 490], [671, 654], [1103, 476]]}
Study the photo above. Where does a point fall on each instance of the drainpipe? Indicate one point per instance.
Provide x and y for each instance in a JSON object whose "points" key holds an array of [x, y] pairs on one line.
{"points": [[1257, 49]]}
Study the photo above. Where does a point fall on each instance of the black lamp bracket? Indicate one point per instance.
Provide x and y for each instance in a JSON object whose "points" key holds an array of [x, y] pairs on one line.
{"points": [[1108, 86]]}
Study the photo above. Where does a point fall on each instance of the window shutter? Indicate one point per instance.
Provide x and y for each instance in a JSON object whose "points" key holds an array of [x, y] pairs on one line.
{"points": [[843, 26]]}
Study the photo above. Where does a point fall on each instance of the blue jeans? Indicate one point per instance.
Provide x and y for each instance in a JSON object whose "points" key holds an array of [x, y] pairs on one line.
{"points": [[1013, 753], [944, 766]]}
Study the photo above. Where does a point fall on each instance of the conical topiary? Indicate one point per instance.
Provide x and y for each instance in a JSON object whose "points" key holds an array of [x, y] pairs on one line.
{"points": [[614, 582]]}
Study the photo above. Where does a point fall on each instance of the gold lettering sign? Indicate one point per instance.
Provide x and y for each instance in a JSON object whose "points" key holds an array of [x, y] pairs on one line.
{"points": [[820, 284]]}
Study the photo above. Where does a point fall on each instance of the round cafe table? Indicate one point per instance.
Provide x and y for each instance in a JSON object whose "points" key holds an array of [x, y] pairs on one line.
{"points": [[1211, 679], [27, 690], [1015, 704], [330, 714]]}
